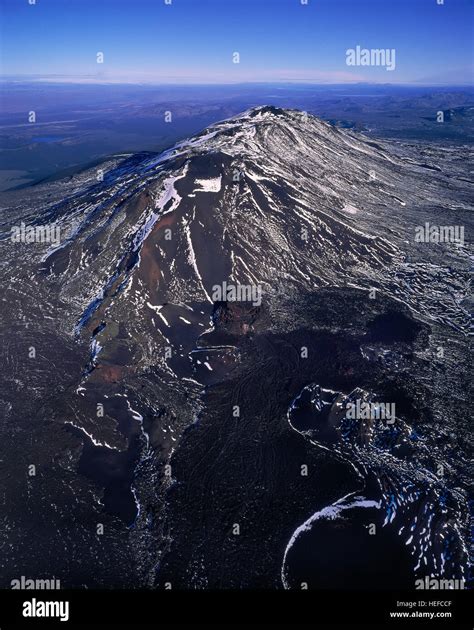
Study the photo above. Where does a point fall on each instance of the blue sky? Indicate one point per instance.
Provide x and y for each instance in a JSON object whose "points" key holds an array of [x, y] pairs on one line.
{"points": [[193, 41]]}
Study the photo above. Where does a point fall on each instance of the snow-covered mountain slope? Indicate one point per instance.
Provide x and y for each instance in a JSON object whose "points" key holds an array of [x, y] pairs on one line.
{"points": [[271, 196]]}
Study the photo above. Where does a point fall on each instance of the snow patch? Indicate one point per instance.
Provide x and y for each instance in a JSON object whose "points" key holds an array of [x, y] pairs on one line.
{"points": [[209, 185], [350, 209]]}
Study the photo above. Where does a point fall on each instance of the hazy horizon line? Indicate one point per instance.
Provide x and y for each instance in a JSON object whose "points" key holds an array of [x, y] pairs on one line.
{"points": [[58, 80]]}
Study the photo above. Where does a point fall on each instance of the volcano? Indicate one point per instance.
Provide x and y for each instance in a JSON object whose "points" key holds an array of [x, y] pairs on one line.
{"points": [[188, 347]]}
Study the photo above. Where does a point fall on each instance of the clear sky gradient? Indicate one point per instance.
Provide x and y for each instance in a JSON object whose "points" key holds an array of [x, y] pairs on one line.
{"points": [[193, 41]]}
